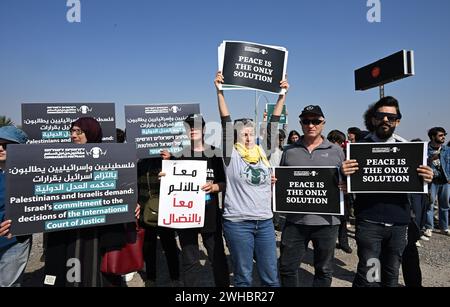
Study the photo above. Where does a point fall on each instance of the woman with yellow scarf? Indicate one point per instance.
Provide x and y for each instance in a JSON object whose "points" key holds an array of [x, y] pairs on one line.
{"points": [[247, 217]]}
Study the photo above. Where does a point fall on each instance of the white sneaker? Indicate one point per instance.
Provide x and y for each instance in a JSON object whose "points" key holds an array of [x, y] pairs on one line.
{"points": [[129, 276], [424, 238], [446, 232], [418, 244], [428, 233]]}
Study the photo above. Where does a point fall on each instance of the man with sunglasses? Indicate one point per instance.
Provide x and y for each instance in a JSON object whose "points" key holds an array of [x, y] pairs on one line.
{"points": [[439, 160], [381, 219], [14, 251], [312, 149]]}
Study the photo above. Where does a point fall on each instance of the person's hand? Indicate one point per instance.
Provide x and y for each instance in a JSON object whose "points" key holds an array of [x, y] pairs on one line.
{"points": [[137, 211], [342, 185], [284, 84], [349, 167], [4, 229], [165, 154], [426, 173], [210, 187], [274, 179], [218, 81], [161, 174]]}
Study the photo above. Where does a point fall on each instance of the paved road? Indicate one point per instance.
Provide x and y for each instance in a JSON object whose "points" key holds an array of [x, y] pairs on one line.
{"points": [[435, 256]]}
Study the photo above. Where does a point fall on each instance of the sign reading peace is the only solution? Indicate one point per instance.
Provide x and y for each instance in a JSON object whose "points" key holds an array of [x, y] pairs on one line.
{"points": [[247, 65], [308, 190], [387, 167]]}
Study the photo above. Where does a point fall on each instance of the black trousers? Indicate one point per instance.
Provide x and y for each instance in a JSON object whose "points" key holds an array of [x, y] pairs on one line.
{"points": [[294, 245], [169, 245], [412, 275], [190, 255]]}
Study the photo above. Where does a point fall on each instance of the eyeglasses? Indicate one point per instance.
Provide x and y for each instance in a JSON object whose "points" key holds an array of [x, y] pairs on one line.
{"points": [[390, 116], [76, 131], [308, 122], [4, 145]]}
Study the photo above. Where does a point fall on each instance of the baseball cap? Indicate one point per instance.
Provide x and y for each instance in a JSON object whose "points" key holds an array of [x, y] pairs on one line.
{"points": [[13, 134], [312, 110], [191, 119]]}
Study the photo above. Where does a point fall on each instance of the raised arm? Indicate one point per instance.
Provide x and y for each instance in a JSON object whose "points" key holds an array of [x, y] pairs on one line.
{"points": [[272, 123], [281, 99], [223, 108], [227, 128]]}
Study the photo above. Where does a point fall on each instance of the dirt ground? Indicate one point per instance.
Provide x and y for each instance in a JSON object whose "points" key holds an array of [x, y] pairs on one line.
{"points": [[434, 257]]}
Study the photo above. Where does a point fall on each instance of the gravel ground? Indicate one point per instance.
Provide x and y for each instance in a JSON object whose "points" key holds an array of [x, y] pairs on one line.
{"points": [[434, 257]]}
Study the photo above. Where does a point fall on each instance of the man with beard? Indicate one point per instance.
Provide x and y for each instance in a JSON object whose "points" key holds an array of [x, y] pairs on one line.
{"points": [[381, 219], [439, 160]]}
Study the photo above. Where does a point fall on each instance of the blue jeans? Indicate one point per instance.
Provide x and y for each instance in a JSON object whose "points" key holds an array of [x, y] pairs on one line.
{"points": [[380, 250], [252, 239], [294, 244], [13, 260], [439, 192]]}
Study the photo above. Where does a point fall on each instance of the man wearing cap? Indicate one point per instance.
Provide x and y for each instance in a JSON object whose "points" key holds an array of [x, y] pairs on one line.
{"points": [[212, 229], [312, 149], [381, 219], [13, 251]]}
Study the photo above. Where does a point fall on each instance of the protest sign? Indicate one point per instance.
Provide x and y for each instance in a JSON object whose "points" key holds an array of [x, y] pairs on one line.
{"points": [[181, 199], [156, 127], [46, 123], [308, 190], [283, 118], [66, 186], [247, 65], [387, 167]]}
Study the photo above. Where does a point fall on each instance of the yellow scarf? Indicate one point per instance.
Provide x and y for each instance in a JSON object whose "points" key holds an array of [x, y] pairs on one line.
{"points": [[252, 155]]}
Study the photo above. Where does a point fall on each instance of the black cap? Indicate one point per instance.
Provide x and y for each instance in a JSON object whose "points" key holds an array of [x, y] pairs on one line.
{"points": [[193, 119], [313, 110]]}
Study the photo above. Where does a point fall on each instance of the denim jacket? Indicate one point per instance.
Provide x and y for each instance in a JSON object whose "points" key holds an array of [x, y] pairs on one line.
{"points": [[445, 161], [4, 242]]}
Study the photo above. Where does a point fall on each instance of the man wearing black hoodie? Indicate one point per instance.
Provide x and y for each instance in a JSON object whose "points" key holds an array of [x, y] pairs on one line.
{"points": [[381, 219]]}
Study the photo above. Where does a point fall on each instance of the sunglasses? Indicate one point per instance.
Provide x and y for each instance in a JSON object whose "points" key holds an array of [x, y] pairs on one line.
{"points": [[308, 122], [245, 121], [390, 116], [4, 145], [76, 131]]}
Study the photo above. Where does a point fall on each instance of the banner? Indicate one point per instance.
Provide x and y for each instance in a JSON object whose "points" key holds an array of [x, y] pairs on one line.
{"points": [[247, 65], [387, 167], [181, 199], [67, 186], [156, 127], [50, 122], [308, 190]]}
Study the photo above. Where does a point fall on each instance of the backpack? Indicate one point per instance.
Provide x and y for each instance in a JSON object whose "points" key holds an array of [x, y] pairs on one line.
{"points": [[150, 207]]}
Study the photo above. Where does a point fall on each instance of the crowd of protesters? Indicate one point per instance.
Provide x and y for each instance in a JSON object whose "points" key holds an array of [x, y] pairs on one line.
{"points": [[388, 226]]}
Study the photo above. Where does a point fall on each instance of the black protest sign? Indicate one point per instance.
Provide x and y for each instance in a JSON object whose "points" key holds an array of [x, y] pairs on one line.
{"points": [[387, 167], [252, 66], [46, 123], [394, 67], [308, 190], [66, 186], [156, 127]]}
